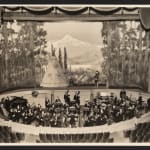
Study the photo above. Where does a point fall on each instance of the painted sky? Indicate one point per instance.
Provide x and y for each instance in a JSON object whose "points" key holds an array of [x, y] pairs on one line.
{"points": [[85, 31]]}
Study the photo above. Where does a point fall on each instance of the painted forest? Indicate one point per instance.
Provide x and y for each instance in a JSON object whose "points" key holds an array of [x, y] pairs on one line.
{"points": [[126, 53], [22, 55]]}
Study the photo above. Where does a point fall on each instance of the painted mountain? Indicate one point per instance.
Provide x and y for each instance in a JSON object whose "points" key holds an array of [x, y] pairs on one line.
{"points": [[80, 53]]}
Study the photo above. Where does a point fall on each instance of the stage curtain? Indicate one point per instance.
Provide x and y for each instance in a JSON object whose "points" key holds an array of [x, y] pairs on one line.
{"points": [[12, 8], [145, 17], [33, 10], [39, 11], [130, 8], [105, 11], [72, 11]]}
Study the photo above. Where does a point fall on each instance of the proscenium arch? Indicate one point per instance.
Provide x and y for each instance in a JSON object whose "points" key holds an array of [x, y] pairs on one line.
{"points": [[75, 13], [27, 16]]}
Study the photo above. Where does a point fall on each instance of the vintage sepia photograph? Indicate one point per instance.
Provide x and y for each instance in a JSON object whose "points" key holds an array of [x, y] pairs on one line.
{"points": [[74, 74]]}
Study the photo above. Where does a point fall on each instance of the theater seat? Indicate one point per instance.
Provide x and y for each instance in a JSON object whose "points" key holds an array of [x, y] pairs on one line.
{"points": [[43, 138], [49, 138], [140, 133], [73, 138], [127, 133], [62, 138], [68, 138], [140, 138], [105, 136], [81, 137], [111, 140], [94, 138], [38, 141], [146, 138], [86, 138], [99, 137], [20, 136], [77, 139], [56, 138]]}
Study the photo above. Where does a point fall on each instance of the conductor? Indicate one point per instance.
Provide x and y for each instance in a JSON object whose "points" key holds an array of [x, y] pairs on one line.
{"points": [[67, 97]]}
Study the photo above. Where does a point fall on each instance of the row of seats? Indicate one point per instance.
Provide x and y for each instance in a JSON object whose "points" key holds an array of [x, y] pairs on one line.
{"points": [[141, 133], [7, 136], [76, 138]]}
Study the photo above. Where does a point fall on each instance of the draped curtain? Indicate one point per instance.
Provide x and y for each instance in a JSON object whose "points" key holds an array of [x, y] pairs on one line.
{"points": [[105, 11], [39, 11], [70, 10], [33, 10], [143, 12], [145, 17]]}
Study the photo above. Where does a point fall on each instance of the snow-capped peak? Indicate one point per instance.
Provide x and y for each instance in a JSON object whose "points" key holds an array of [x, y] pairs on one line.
{"points": [[70, 40], [78, 51], [68, 37]]}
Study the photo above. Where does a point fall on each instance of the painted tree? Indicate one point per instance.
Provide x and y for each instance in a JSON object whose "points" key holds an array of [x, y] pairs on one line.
{"points": [[65, 59], [60, 58], [53, 50], [20, 52], [6, 49], [126, 53], [34, 39], [110, 35]]}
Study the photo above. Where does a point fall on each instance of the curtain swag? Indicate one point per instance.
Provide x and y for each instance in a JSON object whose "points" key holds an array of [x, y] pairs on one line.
{"points": [[105, 11], [72, 11], [38, 10], [144, 17], [143, 12]]}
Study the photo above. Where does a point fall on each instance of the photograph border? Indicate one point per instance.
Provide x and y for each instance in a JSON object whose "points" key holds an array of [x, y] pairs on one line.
{"points": [[74, 146]]}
